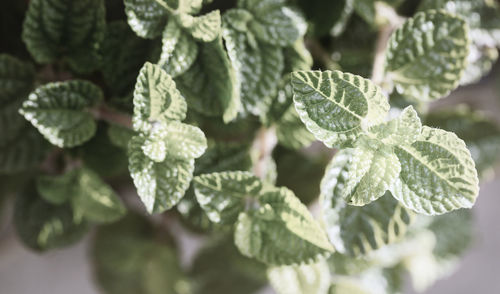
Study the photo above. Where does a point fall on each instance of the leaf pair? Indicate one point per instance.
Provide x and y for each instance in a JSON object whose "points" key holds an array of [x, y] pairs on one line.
{"points": [[161, 156], [429, 170], [90, 198], [276, 229]]}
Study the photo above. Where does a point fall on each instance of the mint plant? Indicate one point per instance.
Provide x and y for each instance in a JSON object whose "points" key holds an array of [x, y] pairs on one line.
{"points": [[299, 138]]}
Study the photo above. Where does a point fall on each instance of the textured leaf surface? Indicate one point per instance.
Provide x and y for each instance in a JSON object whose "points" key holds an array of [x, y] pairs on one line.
{"points": [[179, 50], [59, 111], [427, 56], [43, 226], [147, 18], [437, 174], [63, 28], [336, 106], [300, 279], [210, 85], [273, 22], [358, 230], [281, 231], [404, 129], [223, 195], [160, 185], [203, 28], [258, 67], [156, 99], [175, 140], [371, 171]]}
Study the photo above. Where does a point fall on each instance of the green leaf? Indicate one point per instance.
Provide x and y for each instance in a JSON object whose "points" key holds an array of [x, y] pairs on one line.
{"points": [[203, 28], [189, 6], [427, 56], [60, 111], [123, 55], [480, 133], [147, 18], [402, 130], [359, 230], [23, 152], [437, 174], [119, 135], [129, 257], [175, 140], [480, 63], [156, 99], [224, 195], [326, 17], [300, 279], [372, 169], [273, 22], [258, 66], [222, 156], [280, 222], [90, 198], [42, 226], [160, 185], [179, 50], [56, 29], [297, 57], [336, 107], [210, 85], [291, 132]]}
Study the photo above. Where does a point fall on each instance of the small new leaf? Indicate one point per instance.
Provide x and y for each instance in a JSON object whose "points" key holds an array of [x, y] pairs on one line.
{"points": [[282, 221], [147, 18], [402, 130], [336, 107], [60, 111], [223, 195], [156, 99], [437, 174], [204, 28], [427, 56]]}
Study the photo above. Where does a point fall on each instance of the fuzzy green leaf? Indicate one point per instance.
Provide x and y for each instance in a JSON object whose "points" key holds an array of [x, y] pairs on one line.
{"points": [[65, 29], [282, 221], [336, 107], [437, 174], [402, 130], [160, 185], [427, 56], [156, 99], [300, 279], [179, 50], [223, 195], [147, 18], [175, 140], [273, 22], [203, 28], [358, 230], [60, 111], [258, 66], [43, 226], [210, 85], [372, 169]]}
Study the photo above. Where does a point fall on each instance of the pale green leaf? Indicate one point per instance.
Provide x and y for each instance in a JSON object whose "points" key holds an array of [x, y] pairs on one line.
{"points": [[160, 185], [336, 107], [54, 29], [224, 195], [60, 111], [258, 67], [210, 85], [300, 279], [273, 22], [373, 167], [189, 6], [179, 50], [404, 129], [42, 226], [282, 221], [359, 230], [147, 18], [156, 99], [437, 174], [203, 28], [427, 56], [174, 140]]}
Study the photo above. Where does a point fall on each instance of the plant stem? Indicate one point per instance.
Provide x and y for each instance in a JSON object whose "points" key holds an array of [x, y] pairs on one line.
{"points": [[113, 116], [265, 142]]}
